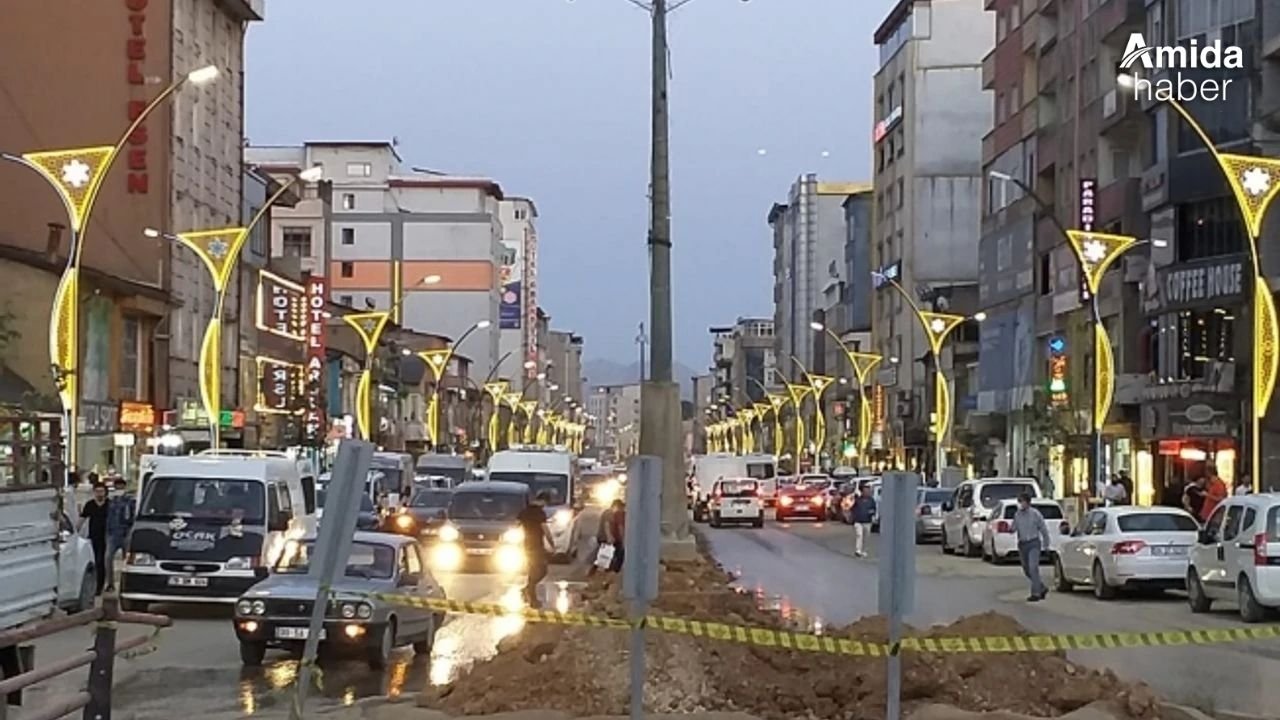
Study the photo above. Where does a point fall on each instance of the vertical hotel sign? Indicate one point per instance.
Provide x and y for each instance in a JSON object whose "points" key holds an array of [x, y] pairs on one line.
{"points": [[313, 408], [531, 300], [135, 48], [1088, 209]]}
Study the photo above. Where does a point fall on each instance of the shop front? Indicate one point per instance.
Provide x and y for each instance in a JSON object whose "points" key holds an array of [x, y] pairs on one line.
{"points": [[192, 424], [97, 425], [1186, 429], [137, 423]]}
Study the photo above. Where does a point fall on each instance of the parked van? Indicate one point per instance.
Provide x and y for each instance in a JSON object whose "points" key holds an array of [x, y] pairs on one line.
{"points": [[764, 469], [210, 525], [552, 471], [707, 469], [391, 478], [455, 467]]}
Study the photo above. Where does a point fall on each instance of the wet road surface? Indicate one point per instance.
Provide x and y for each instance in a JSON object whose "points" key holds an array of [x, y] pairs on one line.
{"points": [[810, 569]]}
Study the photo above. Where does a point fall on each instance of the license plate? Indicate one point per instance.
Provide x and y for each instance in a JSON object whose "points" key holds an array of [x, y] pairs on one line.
{"points": [[741, 502], [1169, 550], [191, 582], [479, 551], [295, 633]]}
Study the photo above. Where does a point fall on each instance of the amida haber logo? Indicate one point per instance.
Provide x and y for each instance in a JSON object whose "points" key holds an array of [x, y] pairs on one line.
{"points": [[1170, 61]]}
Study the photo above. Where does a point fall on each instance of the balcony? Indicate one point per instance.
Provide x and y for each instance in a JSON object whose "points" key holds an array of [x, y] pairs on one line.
{"points": [[989, 70], [1049, 8], [1119, 109], [1047, 72], [1031, 32], [1118, 18]]}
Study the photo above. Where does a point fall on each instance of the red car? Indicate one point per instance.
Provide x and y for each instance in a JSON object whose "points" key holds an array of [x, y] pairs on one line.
{"points": [[807, 500]]}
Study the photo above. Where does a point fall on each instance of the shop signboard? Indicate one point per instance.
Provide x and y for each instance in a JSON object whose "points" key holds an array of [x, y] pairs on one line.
{"points": [[510, 309], [530, 281], [1088, 214], [281, 307], [281, 386], [137, 417], [1189, 418], [313, 424], [887, 124], [1199, 284]]}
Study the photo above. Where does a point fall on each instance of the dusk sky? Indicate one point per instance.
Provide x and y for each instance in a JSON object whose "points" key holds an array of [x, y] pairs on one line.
{"points": [[551, 98]]}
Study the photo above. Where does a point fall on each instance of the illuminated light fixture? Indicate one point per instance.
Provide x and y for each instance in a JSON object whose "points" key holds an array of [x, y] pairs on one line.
{"points": [[1096, 252], [204, 75], [1193, 454], [369, 327], [267, 364], [528, 408], [261, 301], [798, 393], [777, 402], [819, 384]]}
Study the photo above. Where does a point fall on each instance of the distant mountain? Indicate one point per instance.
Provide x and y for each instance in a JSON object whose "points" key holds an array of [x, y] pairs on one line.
{"points": [[609, 372]]}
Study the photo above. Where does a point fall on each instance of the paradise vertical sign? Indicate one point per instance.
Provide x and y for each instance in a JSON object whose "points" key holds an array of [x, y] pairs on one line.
{"points": [[313, 426]]}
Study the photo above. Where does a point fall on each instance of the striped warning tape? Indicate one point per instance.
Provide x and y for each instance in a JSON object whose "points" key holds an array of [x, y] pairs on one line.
{"points": [[771, 638]]}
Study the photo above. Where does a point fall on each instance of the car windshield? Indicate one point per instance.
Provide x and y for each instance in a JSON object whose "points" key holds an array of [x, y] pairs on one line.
{"points": [[1156, 522], [431, 499], [739, 488], [814, 485], [482, 505], [385, 480], [760, 470], [992, 493], [434, 481], [934, 497], [1049, 511], [556, 486], [366, 504], [204, 499], [456, 474], [367, 560]]}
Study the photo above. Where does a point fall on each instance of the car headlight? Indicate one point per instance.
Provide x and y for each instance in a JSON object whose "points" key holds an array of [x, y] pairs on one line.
{"points": [[562, 517], [404, 522], [244, 607], [364, 611], [241, 563], [259, 607], [141, 558], [449, 533], [348, 610], [514, 536], [785, 501]]}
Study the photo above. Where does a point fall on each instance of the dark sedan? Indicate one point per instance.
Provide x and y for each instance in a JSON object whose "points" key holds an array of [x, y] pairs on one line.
{"points": [[423, 516]]}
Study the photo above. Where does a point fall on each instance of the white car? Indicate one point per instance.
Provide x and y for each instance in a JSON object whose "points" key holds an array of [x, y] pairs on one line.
{"points": [[736, 501], [1124, 547], [965, 515], [77, 574], [1000, 542], [1237, 557]]}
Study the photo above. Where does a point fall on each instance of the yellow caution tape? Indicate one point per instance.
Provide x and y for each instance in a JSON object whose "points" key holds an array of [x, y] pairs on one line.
{"points": [[807, 642]]}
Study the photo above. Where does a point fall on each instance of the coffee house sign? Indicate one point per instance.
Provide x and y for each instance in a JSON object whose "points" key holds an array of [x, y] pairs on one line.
{"points": [[1197, 284]]}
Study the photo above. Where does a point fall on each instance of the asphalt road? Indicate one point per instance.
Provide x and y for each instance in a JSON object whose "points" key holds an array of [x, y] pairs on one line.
{"points": [[198, 659], [809, 569]]}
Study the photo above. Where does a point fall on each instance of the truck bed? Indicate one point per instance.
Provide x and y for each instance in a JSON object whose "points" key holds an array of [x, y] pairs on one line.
{"points": [[28, 556]]}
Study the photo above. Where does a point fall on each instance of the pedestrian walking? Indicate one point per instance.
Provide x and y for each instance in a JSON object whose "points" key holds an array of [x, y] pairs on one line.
{"points": [[533, 520], [119, 523], [95, 513], [1215, 491], [862, 514], [1115, 493], [604, 538], [1193, 497], [1033, 537], [618, 531], [1244, 485]]}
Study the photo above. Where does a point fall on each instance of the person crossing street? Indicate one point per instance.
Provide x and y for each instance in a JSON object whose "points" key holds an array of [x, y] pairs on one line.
{"points": [[1033, 537]]}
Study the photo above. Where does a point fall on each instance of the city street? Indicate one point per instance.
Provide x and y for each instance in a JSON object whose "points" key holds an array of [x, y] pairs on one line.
{"points": [[810, 568], [198, 657]]}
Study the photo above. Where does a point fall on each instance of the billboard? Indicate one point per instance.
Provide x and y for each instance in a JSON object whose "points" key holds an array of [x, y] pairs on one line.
{"points": [[281, 386], [531, 300], [511, 306]]}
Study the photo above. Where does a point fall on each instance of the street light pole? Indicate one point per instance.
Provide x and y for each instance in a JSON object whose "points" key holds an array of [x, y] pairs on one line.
{"points": [[438, 362], [862, 364]]}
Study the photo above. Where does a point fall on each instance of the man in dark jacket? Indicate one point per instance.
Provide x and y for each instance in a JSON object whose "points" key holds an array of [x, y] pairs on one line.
{"points": [[119, 523], [863, 513]]}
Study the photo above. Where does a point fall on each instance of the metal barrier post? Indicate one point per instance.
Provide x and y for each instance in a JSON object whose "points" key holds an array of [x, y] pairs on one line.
{"points": [[642, 548], [102, 669], [897, 580]]}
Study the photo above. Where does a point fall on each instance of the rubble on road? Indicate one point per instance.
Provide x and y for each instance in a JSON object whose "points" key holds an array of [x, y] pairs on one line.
{"points": [[584, 672]]}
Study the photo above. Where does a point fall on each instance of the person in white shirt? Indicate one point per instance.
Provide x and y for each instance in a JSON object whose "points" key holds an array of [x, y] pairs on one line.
{"points": [[1115, 494]]}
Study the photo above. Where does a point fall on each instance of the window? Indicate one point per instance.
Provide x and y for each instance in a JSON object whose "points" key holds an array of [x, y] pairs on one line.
{"points": [[521, 213], [415, 563], [1096, 524], [348, 269], [346, 300], [902, 141], [297, 242], [348, 236], [348, 201], [1209, 228], [1045, 281], [359, 169], [900, 193], [1234, 514], [131, 358], [1213, 528], [1203, 337]]}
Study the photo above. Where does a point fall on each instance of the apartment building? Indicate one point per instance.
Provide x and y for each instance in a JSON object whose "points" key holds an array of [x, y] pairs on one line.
{"points": [[931, 113], [517, 337], [426, 246]]}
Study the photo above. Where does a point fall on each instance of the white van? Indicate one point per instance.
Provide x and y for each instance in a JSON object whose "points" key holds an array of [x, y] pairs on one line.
{"points": [[553, 471], [707, 469], [764, 469], [210, 525]]}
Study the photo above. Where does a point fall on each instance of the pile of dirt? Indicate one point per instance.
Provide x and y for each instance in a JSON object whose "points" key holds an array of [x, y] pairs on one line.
{"points": [[584, 672]]}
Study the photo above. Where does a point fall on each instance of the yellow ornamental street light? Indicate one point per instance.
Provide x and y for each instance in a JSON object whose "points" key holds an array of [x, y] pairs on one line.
{"points": [[76, 175], [777, 402], [369, 326], [528, 408], [798, 393], [819, 385], [438, 363], [747, 416], [512, 401], [495, 390]]}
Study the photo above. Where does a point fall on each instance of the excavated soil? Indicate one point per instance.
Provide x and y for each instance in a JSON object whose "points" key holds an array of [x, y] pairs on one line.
{"points": [[583, 671]]}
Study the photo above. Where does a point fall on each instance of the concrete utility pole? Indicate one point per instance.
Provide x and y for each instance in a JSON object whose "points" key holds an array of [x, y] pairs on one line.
{"points": [[660, 427]]}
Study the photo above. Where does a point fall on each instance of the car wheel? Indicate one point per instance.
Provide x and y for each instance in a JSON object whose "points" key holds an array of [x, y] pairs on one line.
{"points": [[967, 546], [88, 590], [1199, 602], [988, 555], [380, 654], [423, 647], [252, 653], [942, 543], [715, 520], [1060, 581], [1250, 610], [1101, 589]]}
